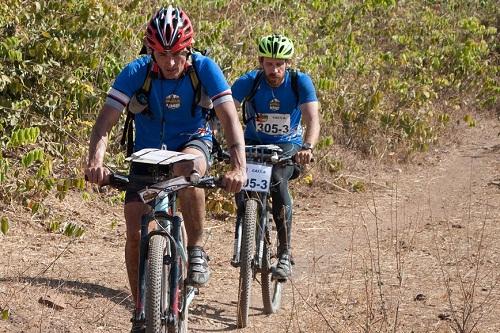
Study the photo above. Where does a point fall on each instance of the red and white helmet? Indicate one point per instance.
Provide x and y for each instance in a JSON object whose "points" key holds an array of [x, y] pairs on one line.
{"points": [[169, 30]]}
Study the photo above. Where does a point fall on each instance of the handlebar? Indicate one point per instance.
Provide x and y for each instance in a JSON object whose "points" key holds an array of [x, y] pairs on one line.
{"points": [[147, 194], [260, 153], [118, 181], [269, 154]]}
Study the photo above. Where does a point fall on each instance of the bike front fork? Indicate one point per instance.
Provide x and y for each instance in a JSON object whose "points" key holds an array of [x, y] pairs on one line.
{"points": [[264, 221], [172, 224]]}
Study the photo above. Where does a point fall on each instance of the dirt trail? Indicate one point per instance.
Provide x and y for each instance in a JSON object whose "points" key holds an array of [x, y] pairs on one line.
{"points": [[364, 262]]}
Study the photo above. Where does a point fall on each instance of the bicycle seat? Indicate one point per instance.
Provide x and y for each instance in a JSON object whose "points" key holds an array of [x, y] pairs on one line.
{"points": [[159, 156]]}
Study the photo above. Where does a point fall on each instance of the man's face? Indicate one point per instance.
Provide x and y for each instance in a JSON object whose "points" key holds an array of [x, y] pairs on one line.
{"points": [[274, 69], [171, 64]]}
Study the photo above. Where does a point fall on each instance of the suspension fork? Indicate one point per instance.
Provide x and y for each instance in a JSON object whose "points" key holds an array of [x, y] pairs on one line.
{"points": [[143, 253], [175, 271], [260, 236], [240, 204]]}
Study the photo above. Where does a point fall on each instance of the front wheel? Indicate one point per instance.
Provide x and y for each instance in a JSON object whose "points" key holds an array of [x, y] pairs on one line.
{"points": [[247, 250], [157, 285]]}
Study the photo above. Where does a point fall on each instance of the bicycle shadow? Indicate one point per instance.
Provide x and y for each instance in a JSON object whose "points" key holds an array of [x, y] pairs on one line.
{"points": [[78, 288], [217, 312]]}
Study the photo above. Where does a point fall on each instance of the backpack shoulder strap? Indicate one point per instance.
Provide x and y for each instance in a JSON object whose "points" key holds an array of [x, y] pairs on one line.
{"points": [[255, 86], [295, 83], [195, 82], [251, 94], [217, 151], [128, 127]]}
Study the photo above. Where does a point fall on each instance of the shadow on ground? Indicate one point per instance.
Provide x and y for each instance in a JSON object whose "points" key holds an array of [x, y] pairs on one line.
{"points": [[78, 288]]}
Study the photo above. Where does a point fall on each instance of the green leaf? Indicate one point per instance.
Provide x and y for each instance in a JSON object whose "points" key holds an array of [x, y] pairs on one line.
{"points": [[27, 159], [5, 314], [86, 196], [4, 225], [73, 230]]}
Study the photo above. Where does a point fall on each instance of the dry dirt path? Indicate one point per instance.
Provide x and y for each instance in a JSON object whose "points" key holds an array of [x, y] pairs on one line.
{"points": [[418, 251]]}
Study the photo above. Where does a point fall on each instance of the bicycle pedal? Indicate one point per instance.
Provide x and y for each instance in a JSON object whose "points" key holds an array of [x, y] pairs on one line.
{"points": [[280, 280], [275, 278], [167, 260], [235, 264]]}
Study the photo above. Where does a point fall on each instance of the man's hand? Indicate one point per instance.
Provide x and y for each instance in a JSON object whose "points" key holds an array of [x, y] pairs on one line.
{"points": [[97, 175], [304, 156], [234, 180]]}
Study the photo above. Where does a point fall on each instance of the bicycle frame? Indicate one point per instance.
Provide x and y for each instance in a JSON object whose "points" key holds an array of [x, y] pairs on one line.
{"points": [[253, 248], [265, 155], [161, 250]]}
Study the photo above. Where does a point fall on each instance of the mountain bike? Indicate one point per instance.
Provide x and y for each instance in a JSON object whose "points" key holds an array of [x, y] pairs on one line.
{"points": [[163, 294], [255, 241]]}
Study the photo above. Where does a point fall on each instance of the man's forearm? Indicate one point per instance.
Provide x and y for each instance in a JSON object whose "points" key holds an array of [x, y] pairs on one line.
{"points": [[312, 133], [233, 133], [310, 115], [107, 118], [98, 145], [237, 155]]}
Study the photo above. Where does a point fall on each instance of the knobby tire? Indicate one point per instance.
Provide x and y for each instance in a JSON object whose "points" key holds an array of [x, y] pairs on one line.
{"points": [[246, 258], [157, 284], [271, 289]]}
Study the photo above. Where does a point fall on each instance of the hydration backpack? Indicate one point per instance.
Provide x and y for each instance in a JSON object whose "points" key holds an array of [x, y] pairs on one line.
{"points": [[255, 87], [140, 99]]}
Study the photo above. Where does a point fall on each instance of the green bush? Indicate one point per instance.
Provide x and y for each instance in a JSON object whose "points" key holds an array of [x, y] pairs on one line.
{"points": [[390, 74]]}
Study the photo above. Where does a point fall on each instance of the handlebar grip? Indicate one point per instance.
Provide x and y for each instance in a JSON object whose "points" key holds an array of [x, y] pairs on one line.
{"points": [[116, 180], [119, 181], [218, 181], [209, 182]]}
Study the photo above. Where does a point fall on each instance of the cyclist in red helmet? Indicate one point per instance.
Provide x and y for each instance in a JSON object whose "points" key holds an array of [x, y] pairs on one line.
{"points": [[170, 29], [167, 117]]}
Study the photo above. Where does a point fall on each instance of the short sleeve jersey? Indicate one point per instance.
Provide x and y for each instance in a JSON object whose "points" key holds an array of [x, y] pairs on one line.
{"points": [[273, 115], [170, 122]]}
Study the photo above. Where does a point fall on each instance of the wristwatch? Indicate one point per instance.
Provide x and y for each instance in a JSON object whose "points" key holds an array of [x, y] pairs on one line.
{"points": [[307, 146]]}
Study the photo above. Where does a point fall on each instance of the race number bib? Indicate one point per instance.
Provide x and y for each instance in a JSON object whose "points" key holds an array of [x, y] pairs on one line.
{"points": [[273, 124], [258, 177]]}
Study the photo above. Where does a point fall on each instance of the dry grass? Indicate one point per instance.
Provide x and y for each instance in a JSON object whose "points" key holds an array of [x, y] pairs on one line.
{"points": [[418, 254]]}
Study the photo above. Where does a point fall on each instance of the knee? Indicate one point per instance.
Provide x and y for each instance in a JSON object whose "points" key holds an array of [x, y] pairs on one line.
{"points": [[193, 195], [183, 168], [133, 238]]}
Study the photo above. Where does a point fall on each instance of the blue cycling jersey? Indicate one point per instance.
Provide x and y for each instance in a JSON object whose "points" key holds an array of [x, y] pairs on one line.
{"points": [[170, 122], [275, 115]]}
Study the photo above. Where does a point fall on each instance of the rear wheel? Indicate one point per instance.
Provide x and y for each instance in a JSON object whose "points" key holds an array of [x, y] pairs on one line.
{"points": [[271, 289], [247, 249], [156, 284]]}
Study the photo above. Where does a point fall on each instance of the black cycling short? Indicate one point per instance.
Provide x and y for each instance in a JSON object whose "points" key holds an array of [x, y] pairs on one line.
{"points": [[142, 175]]}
